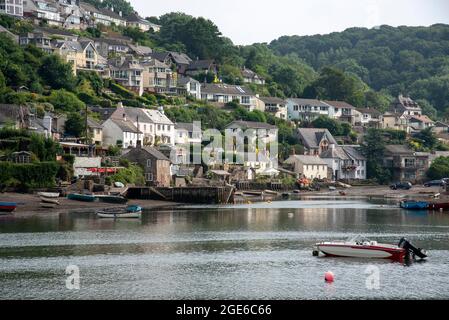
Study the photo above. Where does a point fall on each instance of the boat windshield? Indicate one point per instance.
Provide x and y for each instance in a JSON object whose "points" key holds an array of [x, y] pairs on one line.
{"points": [[357, 239]]}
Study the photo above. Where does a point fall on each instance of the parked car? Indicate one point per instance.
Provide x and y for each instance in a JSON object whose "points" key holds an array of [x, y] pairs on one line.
{"points": [[435, 183], [401, 186]]}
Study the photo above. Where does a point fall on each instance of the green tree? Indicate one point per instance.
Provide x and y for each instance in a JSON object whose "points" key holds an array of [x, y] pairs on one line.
{"points": [[56, 73], [65, 101], [439, 168], [75, 125], [373, 148]]}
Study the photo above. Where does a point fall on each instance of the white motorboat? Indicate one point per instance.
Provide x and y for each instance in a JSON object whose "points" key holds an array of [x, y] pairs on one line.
{"points": [[360, 247], [51, 195]]}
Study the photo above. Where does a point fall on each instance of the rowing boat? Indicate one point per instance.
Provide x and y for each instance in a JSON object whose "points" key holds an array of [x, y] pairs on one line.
{"points": [[51, 195], [81, 197], [49, 200]]}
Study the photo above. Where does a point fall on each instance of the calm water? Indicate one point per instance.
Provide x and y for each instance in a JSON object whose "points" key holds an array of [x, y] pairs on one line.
{"points": [[260, 251]]}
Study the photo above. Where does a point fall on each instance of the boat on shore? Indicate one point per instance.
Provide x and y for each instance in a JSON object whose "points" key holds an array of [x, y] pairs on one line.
{"points": [[7, 207], [81, 197], [414, 205], [112, 199], [442, 206], [360, 247], [49, 195], [49, 200], [130, 212]]}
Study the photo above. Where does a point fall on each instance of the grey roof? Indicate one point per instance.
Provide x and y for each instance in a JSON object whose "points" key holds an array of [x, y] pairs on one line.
{"points": [[184, 80], [155, 153], [132, 114], [126, 126], [311, 102], [335, 153], [134, 17], [93, 124], [353, 152], [184, 126], [312, 137], [61, 32], [161, 56], [110, 13], [247, 73], [125, 62], [105, 113], [273, 100], [200, 65], [88, 7], [370, 111], [307, 160], [141, 50], [222, 88], [180, 58], [340, 104], [399, 149], [251, 125], [441, 124]]}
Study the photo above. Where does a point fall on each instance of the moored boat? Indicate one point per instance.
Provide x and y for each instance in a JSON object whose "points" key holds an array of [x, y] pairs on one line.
{"points": [[112, 199], [414, 205], [49, 200], [50, 195], [81, 197], [7, 206], [130, 212], [360, 247], [442, 206]]}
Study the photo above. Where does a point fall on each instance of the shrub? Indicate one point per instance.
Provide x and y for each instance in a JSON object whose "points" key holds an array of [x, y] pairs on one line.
{"points": [[30, 175]]}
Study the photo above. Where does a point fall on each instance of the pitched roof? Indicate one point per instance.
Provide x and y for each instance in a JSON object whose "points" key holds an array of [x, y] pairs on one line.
{"points": [[155, 153], [441, 124], [251, 125], [136, 18], [247, 73], [272, 100], [214, 88], [141, 50], [370, 111], [335, 153], [184, 126], [312, 137], [180, 58], [200, 64], [306, 160], [184, 80], [126, 126], [157, 117], [110, 13], [399, 149], [340, 104], [423, 119], [353, 152], [311, 102]]}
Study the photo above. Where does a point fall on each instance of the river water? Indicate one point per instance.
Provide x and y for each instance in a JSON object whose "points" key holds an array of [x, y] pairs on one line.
{"points": [[256, 251]]}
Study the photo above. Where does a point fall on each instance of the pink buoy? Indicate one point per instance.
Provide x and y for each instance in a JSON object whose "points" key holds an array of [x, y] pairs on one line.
{"points": [[329, 277]]}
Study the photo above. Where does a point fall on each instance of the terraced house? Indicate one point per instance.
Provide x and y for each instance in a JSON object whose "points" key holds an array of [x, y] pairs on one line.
{"points": [[12, 7], [220, 94], [82, 55], [127, 71]]}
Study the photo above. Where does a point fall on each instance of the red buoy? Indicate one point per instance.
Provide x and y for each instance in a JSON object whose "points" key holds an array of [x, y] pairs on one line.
{"points": [[329, 277]]}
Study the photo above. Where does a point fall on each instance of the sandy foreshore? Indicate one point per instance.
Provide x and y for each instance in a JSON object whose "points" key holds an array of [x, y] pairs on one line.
{"points": [[29, 204]]}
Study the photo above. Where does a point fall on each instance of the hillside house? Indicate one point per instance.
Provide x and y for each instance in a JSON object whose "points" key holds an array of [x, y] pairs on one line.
{"points": [[224, 93], [250, 76], [12, 7], [121, 132], [315, 141], [345, 163], [276, 106], [307, 110], [309, 167]]}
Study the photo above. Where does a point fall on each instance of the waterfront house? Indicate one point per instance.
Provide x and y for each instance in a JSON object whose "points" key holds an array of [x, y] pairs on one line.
{"points": [[405, 164], [155, 164], [307, 110], [188, 86], [345, 162], [220, 94], [275, 106], [309, 167], [154, 125], [12, 7], [250, 76], [121, 133], [315, 141], [127, 71], [368, 117]]}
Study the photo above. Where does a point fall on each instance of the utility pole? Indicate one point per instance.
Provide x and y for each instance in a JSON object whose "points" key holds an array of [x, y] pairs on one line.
{"points": [[86, 128]]}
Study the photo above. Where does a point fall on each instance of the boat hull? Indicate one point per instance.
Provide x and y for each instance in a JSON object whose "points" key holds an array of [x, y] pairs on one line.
{"points": [[8, 207], [81, 197], [112, 199], [127, 215], [439, 206], [49, 195], [361, 251], [414, 205], [48, 205], [49, 200]]}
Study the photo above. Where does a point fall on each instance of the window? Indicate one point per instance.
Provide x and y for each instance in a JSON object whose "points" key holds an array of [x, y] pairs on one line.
{"points": [[149, 163], [295, 108], [149, 176], [245, 100]]}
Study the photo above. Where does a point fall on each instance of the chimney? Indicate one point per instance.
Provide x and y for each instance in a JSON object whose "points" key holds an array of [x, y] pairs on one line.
{"points": [[120, 14], [139, 144], [332, 146], [124, 116], [120, 105]]}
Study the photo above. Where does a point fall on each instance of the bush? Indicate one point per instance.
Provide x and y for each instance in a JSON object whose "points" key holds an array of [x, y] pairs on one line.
{"points": [[439, 169], [125, 93], [133, 174], [30, 175]]}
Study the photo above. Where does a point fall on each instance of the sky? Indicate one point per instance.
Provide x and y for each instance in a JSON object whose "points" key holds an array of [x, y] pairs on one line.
{"points": [[251, 21]]}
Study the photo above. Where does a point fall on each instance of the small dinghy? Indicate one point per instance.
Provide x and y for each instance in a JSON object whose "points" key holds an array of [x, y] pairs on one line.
{"points": [[49, 195], [81, 197], [414, 205], [49, 200], [130, 212]]}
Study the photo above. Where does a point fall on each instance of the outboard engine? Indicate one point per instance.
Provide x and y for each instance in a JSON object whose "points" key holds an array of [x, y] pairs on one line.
{"points": [[411, 249]]}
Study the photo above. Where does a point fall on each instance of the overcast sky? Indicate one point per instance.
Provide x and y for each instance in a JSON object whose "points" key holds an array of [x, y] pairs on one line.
{"points": [[250, 21]]}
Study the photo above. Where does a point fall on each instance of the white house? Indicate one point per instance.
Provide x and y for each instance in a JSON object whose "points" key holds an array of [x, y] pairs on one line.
{"points": [[154, 125], [223, 93], [12, 7], [310, 167], [190, 87], [346, 163], [275, 106], [308, 109], [368, 117], [120, 132], [186, 133]]}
